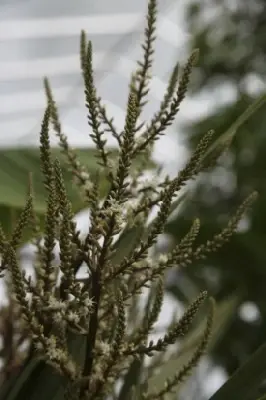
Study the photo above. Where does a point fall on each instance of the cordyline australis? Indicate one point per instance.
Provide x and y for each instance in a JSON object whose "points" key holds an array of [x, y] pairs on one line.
{"points": [[81, 339]]}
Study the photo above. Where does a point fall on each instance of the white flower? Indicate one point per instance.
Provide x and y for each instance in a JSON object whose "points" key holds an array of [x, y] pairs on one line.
{"points": [[163, 258], [115, 207], [57, 317], [52, 353], [38, 346], [73, 317], [51, 342], [55, 304], [104, 348], [88, 302], [85, 175]]}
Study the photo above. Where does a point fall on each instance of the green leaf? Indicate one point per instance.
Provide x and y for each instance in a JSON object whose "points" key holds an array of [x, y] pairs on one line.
{"points": [[15, 166], [246, 379], [263, 397]]}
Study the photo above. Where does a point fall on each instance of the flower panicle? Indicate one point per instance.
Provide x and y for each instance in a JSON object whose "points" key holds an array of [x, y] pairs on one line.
{"points": [[90, 296]]}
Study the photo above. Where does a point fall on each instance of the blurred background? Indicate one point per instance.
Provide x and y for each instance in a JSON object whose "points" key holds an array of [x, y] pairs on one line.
{"points": [[40, 39]]}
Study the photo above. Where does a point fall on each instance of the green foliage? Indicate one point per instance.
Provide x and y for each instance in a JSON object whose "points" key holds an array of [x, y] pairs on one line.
{"points": [[246, 380], [15, 166], [83, 334]]}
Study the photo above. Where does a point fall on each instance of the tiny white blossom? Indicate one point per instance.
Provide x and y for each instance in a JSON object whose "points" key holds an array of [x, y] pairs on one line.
{"points": [[104, 348], [56, 304], [38, 346], [51, 342], [163, 258], [85, 175], [115, 207], [73, 317], [52, 353], [120, 219], [88, 185], [88, 302]]}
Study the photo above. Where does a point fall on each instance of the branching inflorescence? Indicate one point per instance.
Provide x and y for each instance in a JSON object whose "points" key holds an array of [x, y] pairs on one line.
{"points": [[56, 303]]}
